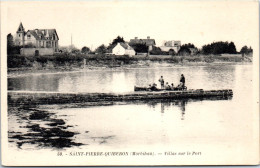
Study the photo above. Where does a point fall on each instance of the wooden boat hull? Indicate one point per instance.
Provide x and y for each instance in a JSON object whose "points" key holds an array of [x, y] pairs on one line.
{"points": [[137, 88]]}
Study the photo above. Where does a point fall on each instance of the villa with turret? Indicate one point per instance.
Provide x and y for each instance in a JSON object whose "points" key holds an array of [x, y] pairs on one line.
{"points": [[37, 41]]}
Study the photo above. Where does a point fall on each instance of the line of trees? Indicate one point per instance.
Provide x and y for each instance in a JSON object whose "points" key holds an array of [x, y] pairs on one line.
{"points": [[219, 48], [214, 48]]}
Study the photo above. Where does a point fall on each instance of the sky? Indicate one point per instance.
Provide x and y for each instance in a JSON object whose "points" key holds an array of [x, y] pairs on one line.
{"points": [[94, 23]]}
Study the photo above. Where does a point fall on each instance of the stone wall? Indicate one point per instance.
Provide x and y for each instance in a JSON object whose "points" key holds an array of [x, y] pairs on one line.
{"points": [[32, 51]]}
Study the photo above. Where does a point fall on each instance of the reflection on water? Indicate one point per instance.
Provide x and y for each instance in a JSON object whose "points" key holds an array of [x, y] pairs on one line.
{"points": [[45, 128], [165, 103]]}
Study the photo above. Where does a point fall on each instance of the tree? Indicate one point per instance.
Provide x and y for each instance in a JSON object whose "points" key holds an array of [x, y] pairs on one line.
{"points": [[10, 43], [101, 49], [232, 48], [118, 40], [157, 51], [246, 50], [141, 48], [184, 51], [10, 40], [11, 48], [189, 45], [219, 48], [250, 50], [85, 50], [114, 43]]}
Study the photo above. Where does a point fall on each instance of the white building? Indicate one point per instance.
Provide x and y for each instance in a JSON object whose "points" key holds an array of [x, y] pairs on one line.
{"points": [[171, 45], [123, 49]]}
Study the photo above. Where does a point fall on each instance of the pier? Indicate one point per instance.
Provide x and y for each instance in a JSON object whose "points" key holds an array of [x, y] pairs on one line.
{"points": [[27, 97]]}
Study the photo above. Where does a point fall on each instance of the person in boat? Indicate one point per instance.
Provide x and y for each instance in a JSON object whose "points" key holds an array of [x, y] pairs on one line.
{"points": [[167, 86], [172, 86], [182, 81], [161, 80], [149, 87], [153, 87]]}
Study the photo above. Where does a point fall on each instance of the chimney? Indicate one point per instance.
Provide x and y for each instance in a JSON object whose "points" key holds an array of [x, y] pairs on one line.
{"points": [[136, 38], [148, 37]]}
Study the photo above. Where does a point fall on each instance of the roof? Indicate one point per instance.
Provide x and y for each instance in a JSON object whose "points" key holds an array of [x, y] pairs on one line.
{"points": [[20, 28], [43, 34], [126, 46], [147, 42]]}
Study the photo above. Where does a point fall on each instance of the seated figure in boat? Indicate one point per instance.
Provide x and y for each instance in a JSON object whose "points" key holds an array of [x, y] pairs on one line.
{"points": [[181, 87], [167, 86], [153, 87], [172, 87]]}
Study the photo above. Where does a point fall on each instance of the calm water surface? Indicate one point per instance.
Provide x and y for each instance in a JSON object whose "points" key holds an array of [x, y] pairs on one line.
{"points": [[133, 124], [197, 77]]}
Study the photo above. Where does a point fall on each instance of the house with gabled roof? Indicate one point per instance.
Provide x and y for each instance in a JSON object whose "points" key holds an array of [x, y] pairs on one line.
{"points": [[148, 42], [37, 38], [123, 49]]}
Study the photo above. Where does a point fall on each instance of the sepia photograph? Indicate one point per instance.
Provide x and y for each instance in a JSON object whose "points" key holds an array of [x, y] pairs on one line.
{"points": [[128, 83]]}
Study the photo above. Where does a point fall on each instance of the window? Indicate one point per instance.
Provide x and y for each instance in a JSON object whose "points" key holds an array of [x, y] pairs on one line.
{"points": [[29, 36], [18, 35]]}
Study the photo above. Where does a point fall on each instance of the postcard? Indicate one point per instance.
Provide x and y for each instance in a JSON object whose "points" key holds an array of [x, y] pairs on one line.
{"points": [[128, 83]]}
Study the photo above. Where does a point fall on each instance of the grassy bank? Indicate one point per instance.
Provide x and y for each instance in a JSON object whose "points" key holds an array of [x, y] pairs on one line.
{"points": [[67, 62]]}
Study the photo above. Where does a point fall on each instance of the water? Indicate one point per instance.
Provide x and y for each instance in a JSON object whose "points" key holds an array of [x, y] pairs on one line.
{"points": [[119, 81], [224, 123]]}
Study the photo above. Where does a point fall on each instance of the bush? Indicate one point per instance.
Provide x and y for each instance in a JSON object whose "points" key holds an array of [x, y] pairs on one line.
{"points": [[15, 61], [12, 50]]}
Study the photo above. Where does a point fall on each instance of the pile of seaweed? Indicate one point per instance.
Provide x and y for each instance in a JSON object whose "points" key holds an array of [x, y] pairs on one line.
{"points": [[52, 132]]}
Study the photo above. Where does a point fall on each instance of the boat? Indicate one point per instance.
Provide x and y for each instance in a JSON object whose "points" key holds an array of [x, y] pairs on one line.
{"points": [[179, 93], [138, 88]]}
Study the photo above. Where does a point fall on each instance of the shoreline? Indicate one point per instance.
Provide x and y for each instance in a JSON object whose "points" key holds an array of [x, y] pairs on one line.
{"points": [[141, 64]]}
